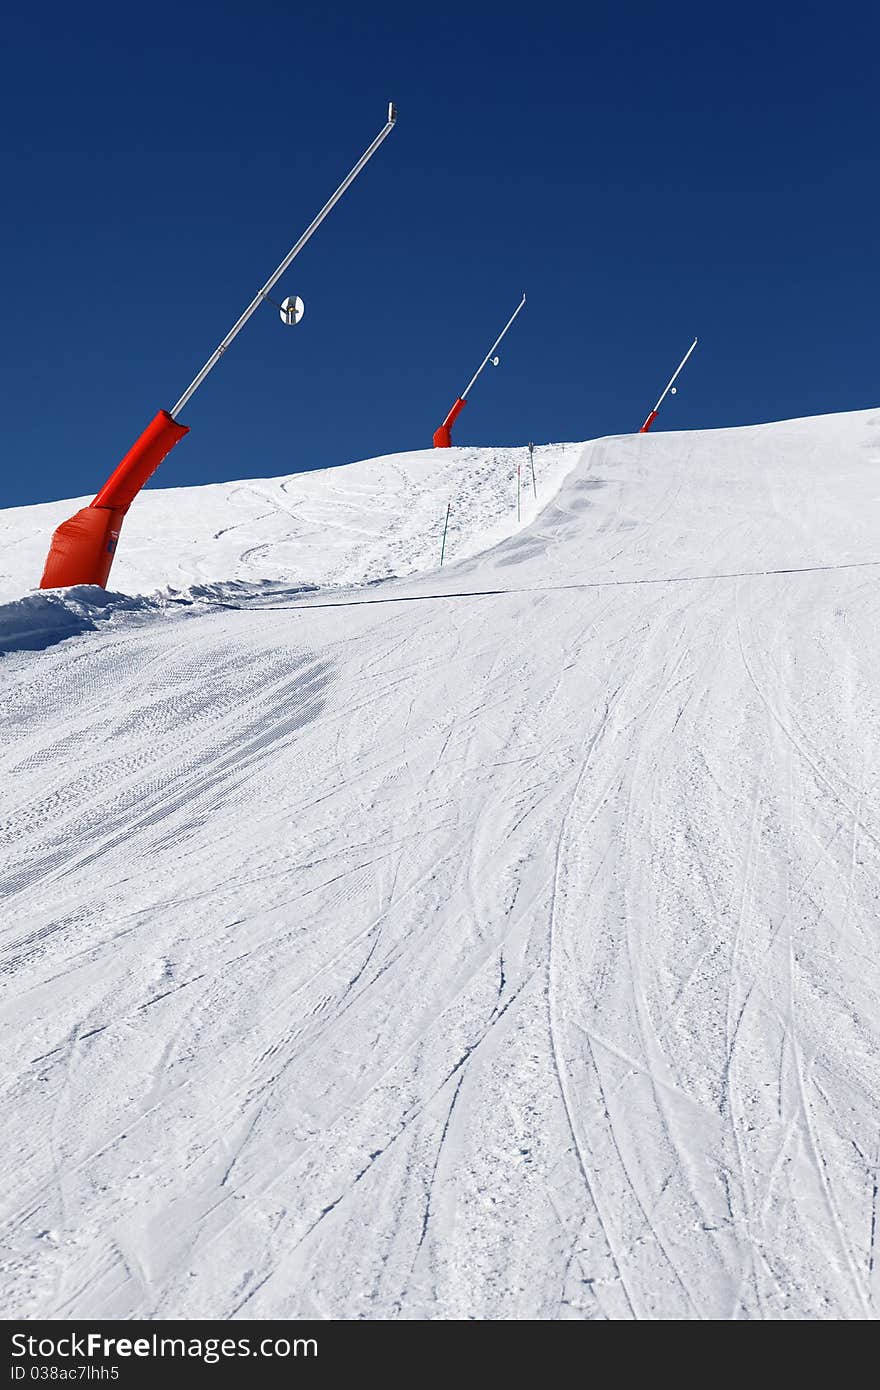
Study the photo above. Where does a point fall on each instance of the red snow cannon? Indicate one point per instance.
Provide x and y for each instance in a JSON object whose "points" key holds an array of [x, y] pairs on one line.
{"points": [[443, 435], [83, 547], [670, 387]]}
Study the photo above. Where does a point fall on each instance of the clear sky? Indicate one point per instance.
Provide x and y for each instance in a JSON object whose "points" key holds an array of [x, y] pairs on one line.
{"points": [[645, 172]]}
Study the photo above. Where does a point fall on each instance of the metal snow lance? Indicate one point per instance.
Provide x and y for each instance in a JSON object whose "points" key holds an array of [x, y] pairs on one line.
{"points": [[83, 547], [443, 435], [669, 387]]}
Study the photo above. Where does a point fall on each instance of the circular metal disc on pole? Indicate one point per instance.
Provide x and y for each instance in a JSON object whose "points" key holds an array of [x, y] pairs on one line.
{"points": [[291, 309]]}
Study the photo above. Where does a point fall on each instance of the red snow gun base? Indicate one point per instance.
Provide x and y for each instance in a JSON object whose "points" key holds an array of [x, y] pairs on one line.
{"points": [[648, 423], [83, 547], [443, 435]]}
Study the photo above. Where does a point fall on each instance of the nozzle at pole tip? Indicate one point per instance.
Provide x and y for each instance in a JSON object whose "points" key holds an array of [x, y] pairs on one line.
{"points": [[392, 113]]}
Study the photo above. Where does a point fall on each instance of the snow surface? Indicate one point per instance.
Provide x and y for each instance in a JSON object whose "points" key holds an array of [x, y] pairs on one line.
{"points": [[499, 942], [353, 525]]}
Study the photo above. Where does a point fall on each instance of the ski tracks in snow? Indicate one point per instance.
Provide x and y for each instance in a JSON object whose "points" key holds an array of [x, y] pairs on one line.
{"points": [[512, 957]]}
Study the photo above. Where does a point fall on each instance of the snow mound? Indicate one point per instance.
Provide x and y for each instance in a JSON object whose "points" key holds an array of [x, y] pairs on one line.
{"points": [[40, 620]]}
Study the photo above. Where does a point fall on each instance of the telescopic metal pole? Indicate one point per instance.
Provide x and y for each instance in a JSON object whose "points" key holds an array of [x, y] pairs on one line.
{"points": [[464, 394], [292, 253], [673, 378]]}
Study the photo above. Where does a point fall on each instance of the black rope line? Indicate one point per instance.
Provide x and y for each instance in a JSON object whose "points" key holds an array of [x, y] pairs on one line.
{"points": [[545, 589]]}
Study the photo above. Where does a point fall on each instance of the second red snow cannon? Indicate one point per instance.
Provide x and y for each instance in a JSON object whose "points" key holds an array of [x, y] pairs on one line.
{"points": [[670, 386], [443, 434]]}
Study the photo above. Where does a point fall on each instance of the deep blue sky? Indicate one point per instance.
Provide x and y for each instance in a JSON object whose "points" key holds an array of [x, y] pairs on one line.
{"points": [[645, 172]]}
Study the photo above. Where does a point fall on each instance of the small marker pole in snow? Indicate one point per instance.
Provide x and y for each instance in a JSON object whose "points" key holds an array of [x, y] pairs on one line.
{"points": [[445, 525], [532, 465], [518, 473], [670, 386]]}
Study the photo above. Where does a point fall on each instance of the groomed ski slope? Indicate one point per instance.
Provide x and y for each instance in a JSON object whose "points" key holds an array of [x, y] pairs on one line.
{"points": [[358, 524], [493, 943]]}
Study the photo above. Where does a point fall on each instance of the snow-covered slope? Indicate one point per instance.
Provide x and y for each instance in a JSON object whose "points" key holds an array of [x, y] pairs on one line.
{"points": [[495, 943], [349, 525]]}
